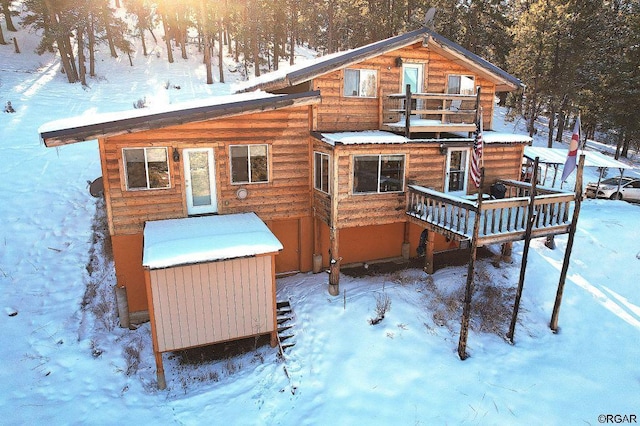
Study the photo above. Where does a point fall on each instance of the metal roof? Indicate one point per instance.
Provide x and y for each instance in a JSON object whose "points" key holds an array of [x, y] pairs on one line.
{"points": [[559, 156], [323, 65], [80, 129]]}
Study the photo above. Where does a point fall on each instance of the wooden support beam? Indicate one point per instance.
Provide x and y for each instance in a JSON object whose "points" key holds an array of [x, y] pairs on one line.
{"points": [[334, 263], [567, 254], [429, 251], [531, 218], [468, 294], [407, 112]]}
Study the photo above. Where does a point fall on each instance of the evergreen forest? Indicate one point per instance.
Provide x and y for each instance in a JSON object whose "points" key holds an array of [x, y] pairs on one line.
{"points": [[574, 56]]}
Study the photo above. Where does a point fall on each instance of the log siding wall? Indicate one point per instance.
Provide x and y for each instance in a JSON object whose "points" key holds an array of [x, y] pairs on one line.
{"points": [[339, 113], [286, 195]]}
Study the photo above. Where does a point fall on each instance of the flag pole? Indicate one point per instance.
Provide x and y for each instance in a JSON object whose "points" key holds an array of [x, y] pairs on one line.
{"points": [[481, 129]]}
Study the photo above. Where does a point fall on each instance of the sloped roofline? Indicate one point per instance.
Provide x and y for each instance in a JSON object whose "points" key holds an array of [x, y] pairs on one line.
{"points": [[64, 132], [334, 62]]}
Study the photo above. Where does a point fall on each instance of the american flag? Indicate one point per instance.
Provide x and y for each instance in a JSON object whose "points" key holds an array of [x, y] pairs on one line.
{"points": [[476, 157]]}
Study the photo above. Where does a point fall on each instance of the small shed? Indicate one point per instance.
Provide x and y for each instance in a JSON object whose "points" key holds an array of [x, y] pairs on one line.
{"points": [[209, 279]]}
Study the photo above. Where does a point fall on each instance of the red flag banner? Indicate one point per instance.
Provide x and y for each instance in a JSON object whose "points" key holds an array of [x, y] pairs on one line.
{"points": [[476, 156], [570, 164]]}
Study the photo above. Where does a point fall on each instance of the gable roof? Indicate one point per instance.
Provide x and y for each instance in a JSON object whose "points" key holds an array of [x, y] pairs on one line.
{"points": [[295, 75], [83, 128]]}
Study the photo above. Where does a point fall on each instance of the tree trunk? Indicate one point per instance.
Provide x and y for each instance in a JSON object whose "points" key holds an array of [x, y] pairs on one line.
{"points": [[144, 44], [155, 39], [294, 29], [221, 52], [167, 38], [2, 36], [330, 27], [625, 146], [92, 46], [82, 70], [7, 16], [552, 121], [107, 26]]}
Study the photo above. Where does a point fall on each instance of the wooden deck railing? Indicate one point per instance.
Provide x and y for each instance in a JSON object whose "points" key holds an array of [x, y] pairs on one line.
{"points": [[425, 111], [501, 220]]}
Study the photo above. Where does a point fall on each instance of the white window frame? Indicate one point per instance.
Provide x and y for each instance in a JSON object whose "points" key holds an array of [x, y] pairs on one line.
{"points": [[473, 90], [323, 156], [250, 181], [146, 168], [380, 159], [359, 94]]}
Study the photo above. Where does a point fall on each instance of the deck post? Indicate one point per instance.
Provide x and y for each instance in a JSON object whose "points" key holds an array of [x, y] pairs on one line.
{"points": [[428, 254], [468, 294], [505, 251], [334, 263], [567, 254], [525, 251], [407, 112]]}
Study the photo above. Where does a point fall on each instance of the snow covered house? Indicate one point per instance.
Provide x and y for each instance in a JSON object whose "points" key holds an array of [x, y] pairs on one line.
{"points": [[346, 159]]}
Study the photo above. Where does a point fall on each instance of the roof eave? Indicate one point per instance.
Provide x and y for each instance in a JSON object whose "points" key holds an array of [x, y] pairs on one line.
{"points": [[173, 118], [504, 81]]}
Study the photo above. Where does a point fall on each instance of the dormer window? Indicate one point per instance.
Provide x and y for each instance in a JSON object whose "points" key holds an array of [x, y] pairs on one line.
{"points": [[362, 83]]}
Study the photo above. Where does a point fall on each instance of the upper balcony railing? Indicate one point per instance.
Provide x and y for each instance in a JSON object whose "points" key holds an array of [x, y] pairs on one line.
{"points": [[430, 112]]}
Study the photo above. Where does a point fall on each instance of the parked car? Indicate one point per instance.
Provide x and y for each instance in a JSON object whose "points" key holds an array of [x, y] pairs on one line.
{"points": [[629, 189]]}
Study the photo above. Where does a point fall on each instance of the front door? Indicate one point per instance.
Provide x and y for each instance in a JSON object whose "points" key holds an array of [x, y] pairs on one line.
{"points": [[199, 180], [412, 75], [457, 171]]}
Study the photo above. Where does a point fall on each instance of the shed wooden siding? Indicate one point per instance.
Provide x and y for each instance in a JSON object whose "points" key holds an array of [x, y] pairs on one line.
{"points": [[286, 195], [201, 304], [339, 113]]}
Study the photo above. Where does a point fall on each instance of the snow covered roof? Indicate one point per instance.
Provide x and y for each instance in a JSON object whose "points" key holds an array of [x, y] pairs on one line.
{"points": [[559, 156], [174, 242], [383, 137], [489, 136], [82, 128], [301, 73]]}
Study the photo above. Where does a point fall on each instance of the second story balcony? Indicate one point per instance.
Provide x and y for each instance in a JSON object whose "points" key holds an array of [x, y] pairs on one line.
{"points": [[437, 113]]}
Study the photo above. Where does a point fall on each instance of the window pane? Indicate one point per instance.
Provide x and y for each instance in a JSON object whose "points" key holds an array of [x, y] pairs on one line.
{"points": [[351, 82], [457, 164], [317, 169], [467, 85], [453, 85], [325, 173], [391, 173], [200, 178], [135, 168], [259, 169], [240, 164], [365, 174], [368, 83], [158, 167]]}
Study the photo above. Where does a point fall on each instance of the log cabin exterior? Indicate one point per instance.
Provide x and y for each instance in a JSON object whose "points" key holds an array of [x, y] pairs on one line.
{"points": [[331, 156]]}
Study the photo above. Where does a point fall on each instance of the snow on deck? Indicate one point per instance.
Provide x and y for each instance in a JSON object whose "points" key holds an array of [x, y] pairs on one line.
{"points": [[192, 240]]}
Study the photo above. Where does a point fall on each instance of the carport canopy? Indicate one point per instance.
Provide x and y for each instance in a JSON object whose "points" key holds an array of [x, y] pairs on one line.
{"points": [[554, 156]]}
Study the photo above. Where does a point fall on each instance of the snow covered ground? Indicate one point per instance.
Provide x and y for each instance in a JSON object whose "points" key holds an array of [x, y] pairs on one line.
{"points": [[65, 361]]}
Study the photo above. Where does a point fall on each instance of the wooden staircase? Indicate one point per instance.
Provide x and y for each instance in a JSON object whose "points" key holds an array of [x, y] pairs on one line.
{"points": [[286, 321]]}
